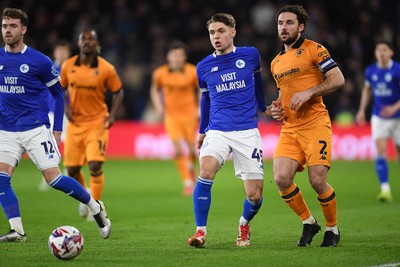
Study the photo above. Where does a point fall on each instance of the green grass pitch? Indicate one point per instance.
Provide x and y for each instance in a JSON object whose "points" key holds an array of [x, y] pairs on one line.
{"points": [[152, 220]]}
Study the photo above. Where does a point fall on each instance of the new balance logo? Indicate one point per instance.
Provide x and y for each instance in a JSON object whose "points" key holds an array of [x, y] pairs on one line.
{"points": [[214, 69]]}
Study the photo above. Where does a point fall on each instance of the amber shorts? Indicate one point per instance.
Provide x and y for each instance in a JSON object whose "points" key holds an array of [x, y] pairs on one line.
{"points": [[309, 145], [181, 128], [85, 143]]}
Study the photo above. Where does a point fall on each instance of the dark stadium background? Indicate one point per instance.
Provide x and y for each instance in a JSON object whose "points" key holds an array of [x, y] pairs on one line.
{"points": [[134, 35]]}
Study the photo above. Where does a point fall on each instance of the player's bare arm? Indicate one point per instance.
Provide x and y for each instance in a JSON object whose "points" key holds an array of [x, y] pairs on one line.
{"points": [[116, 102], [389, 110], [155, 97], [365, 96], [334, 79], [67, 106], [199, 141], [57, 136]]}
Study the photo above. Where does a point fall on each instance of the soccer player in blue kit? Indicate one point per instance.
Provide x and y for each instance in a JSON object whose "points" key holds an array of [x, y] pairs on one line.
{"points": [[383, 79], [232, 91], [26, 76]]}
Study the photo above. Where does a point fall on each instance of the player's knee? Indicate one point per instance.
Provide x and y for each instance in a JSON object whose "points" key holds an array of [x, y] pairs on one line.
{"points": [[255, 198], [178, 154], [283, 184], [95, 166], [73, 171], [318, 184], [207, 174]]}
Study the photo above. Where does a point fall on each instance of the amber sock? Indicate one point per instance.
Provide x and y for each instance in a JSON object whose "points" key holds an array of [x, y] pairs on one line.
{"points": [[327, 201], [294, 198], [96, 185]]}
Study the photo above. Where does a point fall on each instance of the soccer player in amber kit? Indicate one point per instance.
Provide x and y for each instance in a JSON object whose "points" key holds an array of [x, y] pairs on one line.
{"points": [[85, 79], [174, 94], [304, 72]]}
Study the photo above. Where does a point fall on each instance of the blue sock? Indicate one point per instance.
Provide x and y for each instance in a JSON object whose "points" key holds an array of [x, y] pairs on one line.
{"points": [[71, 187], [202, 200], [8, 199], [250, 209], [381, 168]]}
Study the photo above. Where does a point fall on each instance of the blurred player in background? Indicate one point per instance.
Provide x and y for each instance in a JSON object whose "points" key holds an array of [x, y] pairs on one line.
{"points": [[175, 97], [304, 72], [232, 90], [383, 79], [85, 78], [61, 52], [26, 78]]}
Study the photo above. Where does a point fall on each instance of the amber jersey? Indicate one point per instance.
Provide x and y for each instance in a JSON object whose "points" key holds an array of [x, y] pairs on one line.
{"points": [[297, 70], [87, 87], [179, 90]]}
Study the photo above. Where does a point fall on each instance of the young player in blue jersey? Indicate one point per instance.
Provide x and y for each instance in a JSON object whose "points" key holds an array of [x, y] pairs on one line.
{"points": [[232, 91], [383, 79], [26, 76]]}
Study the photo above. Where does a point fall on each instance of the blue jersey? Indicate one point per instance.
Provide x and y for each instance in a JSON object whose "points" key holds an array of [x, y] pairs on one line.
{"points": [[50, 96], [385, 84], [229, 81], [24, 81]]}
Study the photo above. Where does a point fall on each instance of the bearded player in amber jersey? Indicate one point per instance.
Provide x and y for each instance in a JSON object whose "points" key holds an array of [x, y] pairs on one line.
{"points": [[304, 72]]}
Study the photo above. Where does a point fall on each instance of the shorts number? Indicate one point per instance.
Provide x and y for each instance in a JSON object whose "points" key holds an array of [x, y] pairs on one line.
{"points": [[48, 147], [102, 147], [257, 154], [322, 151]]}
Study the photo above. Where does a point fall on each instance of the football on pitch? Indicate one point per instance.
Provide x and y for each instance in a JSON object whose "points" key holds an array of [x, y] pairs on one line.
{"points": [[66, 242]]}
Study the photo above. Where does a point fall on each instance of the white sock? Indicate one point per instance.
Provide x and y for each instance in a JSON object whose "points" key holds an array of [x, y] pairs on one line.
{"points": [[188, 182], [309, 220], [16, 224], [333, 229], [202, 228], [93, 206], [243, 221], [385, 187]]}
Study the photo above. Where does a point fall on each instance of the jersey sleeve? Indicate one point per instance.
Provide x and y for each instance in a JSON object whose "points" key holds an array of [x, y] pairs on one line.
{"points": [[193, 74], [157, 77], [200, 79], [257, 60], [322, 58], [49, 72], [64, 76], [113, 82], [367, 76]]}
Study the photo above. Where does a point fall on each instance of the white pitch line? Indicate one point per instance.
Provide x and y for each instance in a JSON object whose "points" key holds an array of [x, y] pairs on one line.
{"points": [[394, 264]]}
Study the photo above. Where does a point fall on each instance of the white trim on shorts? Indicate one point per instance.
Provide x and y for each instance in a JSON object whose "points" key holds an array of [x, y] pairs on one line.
{"points": [[245, 147]]}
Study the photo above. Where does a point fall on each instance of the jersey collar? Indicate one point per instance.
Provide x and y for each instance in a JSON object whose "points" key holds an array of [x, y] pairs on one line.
{"points": [[233, 51], [22, 51], [94, 64], [389, 66], [297, 44]]}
